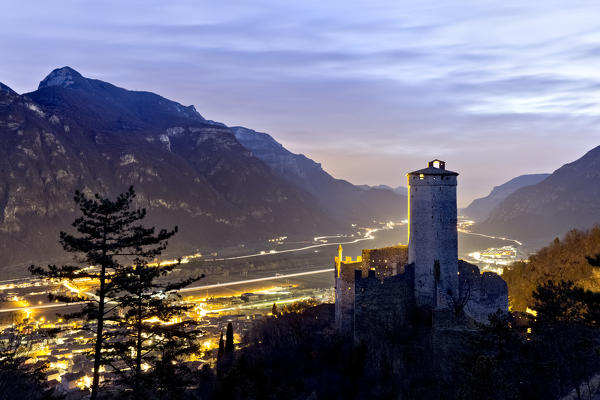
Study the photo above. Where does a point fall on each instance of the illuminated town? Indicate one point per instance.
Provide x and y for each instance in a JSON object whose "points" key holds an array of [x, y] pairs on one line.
{"points": [[63, 345], [27, 314], [27, 311]]}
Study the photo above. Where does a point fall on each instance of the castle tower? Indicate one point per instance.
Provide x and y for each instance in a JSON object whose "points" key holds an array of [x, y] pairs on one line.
{"points": [[432, 234]]}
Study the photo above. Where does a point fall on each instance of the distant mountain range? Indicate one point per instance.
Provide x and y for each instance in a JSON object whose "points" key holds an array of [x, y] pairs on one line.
{"points": [[536, 214], [401, 190], [222, 186], [339, 198], [480, 209], [79, 133]]}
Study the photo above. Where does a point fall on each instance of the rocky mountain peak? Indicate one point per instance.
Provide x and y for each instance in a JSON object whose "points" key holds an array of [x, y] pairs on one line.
{"points": [[106, 106], [65, 77], [257, 141]]}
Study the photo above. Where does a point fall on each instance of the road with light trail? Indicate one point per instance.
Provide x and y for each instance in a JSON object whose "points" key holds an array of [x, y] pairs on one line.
{"points": [[267, 278], [189, 289], [490, 237], [368, 236]]}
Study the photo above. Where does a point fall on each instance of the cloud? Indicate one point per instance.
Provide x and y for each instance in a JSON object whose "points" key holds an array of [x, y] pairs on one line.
{"points": [[371, 90]]}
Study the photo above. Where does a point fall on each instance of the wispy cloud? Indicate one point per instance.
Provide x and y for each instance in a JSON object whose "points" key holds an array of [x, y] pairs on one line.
{"points": [[370, 89]]}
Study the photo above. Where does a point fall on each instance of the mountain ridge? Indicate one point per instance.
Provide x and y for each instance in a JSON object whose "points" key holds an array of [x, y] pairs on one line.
{"points": [[187, 171], [113, 108], [402, 190], [567, 199], [480, 208], [339, 198], [6, 89]]}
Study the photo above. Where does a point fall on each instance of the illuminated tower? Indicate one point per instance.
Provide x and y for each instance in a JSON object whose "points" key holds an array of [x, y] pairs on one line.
{"points": [[432, 234], [338, 261]]}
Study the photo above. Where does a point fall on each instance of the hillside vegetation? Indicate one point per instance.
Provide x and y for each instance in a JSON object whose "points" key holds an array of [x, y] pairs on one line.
{"points": [[562, 260]]}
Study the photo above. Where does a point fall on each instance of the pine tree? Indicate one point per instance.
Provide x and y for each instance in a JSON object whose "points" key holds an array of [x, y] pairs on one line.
{"points": [[225, 354], [151, 325], [274, 310], [108, 237], [565, 332], [221, 350], [229, 346], [221, 358]]}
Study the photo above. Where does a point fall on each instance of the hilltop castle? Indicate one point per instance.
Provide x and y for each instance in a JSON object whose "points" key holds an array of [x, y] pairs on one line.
{"points": [[393, 283]]}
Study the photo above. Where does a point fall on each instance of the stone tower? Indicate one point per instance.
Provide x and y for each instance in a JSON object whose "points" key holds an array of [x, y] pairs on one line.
{"points": [[432, 235]]}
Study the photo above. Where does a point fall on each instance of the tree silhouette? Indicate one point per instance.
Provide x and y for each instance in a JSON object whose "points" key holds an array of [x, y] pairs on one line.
{"points": [[109, 237], [221, 350], [229, 346], [274, 310], [151, 323], [565, 330]]}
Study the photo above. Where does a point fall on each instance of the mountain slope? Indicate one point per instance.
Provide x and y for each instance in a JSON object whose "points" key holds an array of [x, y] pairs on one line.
{"points": [[6, 89], [78, 133], [340, 198], [479, 209], [569, 198]]}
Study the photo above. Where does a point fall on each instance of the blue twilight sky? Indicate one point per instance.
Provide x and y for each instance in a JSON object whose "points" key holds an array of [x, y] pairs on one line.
{"points": [[370, 89]]}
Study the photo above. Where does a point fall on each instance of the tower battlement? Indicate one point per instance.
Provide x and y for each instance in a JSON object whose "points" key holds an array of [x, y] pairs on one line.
{"points": [[348, 260], [346, 266], [377, 264]]}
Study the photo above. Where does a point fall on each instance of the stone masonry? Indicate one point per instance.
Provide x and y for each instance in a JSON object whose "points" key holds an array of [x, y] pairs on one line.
{"points": [[378, 263], [432, 234]]}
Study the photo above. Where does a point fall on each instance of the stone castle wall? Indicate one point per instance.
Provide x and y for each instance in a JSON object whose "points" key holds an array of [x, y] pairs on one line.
{"points": [[381, 263], [381, 306], [344, 295], [387, 261], [486, 292], [371, 299]]}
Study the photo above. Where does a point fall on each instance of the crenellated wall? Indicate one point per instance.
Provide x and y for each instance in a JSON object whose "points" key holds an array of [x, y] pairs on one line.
{"points": [[344, 294], [383, 263]]}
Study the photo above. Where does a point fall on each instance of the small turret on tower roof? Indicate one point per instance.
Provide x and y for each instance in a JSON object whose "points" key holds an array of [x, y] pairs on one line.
{"points": [[433, 170]]}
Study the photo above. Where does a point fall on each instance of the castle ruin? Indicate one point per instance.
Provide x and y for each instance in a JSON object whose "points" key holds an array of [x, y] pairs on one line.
{"points": [[426, 277]]}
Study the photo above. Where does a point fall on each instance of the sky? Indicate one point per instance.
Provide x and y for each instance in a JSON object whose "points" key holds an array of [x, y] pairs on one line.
{"points": [[370, 89]]}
